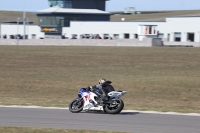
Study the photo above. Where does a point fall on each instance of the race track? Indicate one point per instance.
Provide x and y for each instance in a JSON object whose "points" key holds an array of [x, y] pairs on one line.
{"points": [[126, 122]]}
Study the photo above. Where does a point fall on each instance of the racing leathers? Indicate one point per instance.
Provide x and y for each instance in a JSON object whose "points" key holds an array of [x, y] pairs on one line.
{"points": [[104, 89]]}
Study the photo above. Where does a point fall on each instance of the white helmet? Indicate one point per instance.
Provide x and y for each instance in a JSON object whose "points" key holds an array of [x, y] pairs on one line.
{"points": [[101, 81]]}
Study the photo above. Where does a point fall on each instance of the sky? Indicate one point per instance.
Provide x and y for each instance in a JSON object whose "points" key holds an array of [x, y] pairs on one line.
{"points": [[112, 5]]}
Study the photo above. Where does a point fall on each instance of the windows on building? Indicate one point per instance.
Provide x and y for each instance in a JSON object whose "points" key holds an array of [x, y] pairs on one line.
{"points": [[33, 36], [190, 37], [135, 36], [160, 35], [168, 37], [126, 36], [52, 3], [51, 21], [45, 20], [59, 3], [116, 36], [148, 29], [60, 21], [106, 36], [67, 22], [56, 21], [68, 4], [177, 36]]}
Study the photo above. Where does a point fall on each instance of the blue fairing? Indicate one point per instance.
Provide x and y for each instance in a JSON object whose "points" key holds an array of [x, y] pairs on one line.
{"points": [[96, 90], [82, 90]]}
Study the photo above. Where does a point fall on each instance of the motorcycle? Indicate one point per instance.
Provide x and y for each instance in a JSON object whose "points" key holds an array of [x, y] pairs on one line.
{"points": [[92, 101]]}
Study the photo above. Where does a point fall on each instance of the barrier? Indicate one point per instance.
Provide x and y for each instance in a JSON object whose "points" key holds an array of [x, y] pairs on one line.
{"points": [[147, 42], [79, 42]]}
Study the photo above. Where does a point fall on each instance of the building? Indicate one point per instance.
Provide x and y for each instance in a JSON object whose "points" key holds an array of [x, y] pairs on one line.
{"points": [[61, 12], [66, 18], [79, 4], [175, 29]]}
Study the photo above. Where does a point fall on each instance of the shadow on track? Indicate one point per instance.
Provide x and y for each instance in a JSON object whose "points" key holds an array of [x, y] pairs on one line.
{"points": [[100, 112], [128, 113]]}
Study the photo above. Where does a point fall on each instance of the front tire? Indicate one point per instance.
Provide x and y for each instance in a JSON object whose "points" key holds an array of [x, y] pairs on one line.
{"points": [[76, 106], [115, 108]]}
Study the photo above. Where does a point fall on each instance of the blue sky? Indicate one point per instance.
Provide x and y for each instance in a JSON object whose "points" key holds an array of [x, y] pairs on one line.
{"points": [[112, 5]]}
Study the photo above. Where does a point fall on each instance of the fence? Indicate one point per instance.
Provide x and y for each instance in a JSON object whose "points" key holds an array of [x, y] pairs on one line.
{"points": [[147, 42], [78, 42]]}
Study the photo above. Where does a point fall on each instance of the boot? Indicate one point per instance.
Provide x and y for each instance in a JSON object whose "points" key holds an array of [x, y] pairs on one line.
{"points": [[104, 99], [95, 105]]}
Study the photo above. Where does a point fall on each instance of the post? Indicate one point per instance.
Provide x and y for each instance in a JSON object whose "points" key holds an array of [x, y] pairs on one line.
{"points": [[0, 31], [18, 26], [24, 21], [17, 37], [199, 38], [27, 27]]}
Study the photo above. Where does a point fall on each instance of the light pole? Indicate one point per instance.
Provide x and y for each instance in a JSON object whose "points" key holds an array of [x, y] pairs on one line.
{"points": [[199, 38], [17, 37], [24, 21], [0, 30], [18, 26], [27, 24]]}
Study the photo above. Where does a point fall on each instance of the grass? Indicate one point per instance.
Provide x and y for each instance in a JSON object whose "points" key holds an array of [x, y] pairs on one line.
{"points": [[154, 15], [11, 16], [41, 130], [157, 78], [6, 16]]}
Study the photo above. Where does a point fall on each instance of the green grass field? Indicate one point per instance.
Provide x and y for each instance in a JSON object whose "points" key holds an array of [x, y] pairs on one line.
{"points": [[157, 78], [42, 130]]}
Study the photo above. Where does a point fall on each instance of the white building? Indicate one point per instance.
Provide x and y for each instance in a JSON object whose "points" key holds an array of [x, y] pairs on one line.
{"points": [[180, 29], [183, 29]]}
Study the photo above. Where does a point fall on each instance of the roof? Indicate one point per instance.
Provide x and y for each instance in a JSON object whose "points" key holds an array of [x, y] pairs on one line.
{"points": [[71, 11]]}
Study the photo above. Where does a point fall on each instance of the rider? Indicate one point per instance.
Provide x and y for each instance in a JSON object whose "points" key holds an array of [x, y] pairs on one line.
{"points": [[104, 87]]}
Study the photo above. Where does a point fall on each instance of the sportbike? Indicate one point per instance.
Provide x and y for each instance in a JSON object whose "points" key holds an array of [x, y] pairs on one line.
{"points": [[92, 101]]}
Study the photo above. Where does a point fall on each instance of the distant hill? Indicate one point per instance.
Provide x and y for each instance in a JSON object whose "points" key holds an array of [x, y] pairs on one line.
{"points": [[11, 17], [153, 16]]}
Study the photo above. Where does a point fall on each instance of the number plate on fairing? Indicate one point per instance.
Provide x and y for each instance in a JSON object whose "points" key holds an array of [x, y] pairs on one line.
{"points": [[114, 94], [88, 106]]}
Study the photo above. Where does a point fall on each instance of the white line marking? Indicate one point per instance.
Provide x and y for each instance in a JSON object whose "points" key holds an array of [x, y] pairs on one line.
{"points": [[32, 107], [131, 111], [164, 113]]}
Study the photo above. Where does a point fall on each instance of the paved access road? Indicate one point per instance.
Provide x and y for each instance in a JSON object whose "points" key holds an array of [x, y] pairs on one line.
{"points": [[126, 122]]}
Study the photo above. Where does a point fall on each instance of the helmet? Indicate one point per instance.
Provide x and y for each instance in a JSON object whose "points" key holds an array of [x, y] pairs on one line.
{"points": [[101, 81]]}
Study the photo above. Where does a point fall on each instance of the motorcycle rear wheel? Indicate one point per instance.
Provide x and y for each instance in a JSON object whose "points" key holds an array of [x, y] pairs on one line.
{"points": [[114, 108], [76, 106]]}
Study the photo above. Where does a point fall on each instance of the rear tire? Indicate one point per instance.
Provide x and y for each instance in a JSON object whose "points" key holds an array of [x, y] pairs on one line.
{"points": [[76, 106], [111, 109]]}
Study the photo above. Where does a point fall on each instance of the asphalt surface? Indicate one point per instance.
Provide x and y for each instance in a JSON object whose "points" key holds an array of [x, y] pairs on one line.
{"points": [[134, 122]]}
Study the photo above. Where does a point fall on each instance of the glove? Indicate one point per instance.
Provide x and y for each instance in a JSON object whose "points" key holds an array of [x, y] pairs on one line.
{"points": [[89, 88]]}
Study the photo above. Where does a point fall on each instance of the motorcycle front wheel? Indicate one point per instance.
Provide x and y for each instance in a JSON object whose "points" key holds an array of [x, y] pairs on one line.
{"points": [[115, 107], [76, 106]]}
